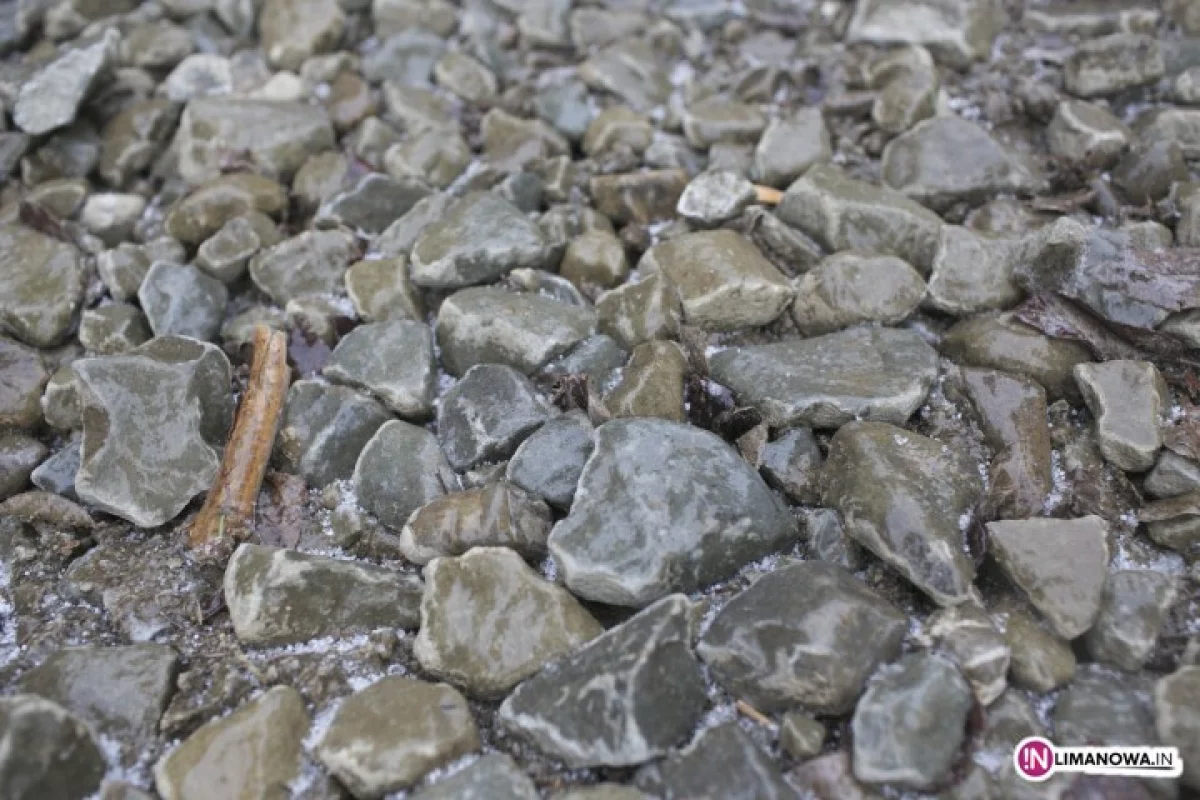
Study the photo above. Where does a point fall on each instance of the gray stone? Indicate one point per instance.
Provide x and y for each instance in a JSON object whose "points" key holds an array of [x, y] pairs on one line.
{"points": [[808, 634], [617, 127], [1087, 134], [113, 329], [487, 414], [1176, 703], [199, 75], [1040, 660], [791, 146], [313, 262], [904, 497], [829, 777], [630, 69], [1132, 612], [57, 473], [253, 752], [51, 97], [464, 77], [324, 429], [640, 197], [202, 212], [1129, 400], [547, 284], [280, 597], [224, 255], [372, 204], [715, 197], [851, 288], [437, 157], [111, 215], [495, 776], [41, 285], [908, 95], [525, 331], [861, 373], [548, 464], [152, 423], [393, 361], [801, 736], [512, 144], [387, 736], [477, 240], [957, 32], [828, 540], [23, 377], [1091, 19], [722, 762], [295, 30], [1147, 172], [19, 455], [460, 640], [1102, 707], [651, 384], [909, 724], [972, 272], [120, 691], [399, 470], [663, 507], [842, 213], [598, 358], [948, 160], [720, 118], [45, 752], [412, 108], [180, 300], [621, 672], [406, 58], [1060, 565], [1172, 475], [967, 635], [640, 311], [1109, 64], [594, 260], [380, 290], [564, 104], [60, 401], [497, 514], [278, 135]]}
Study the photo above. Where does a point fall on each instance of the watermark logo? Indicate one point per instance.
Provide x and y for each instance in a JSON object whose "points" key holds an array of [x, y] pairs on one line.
{"points": [[1037, 759]]}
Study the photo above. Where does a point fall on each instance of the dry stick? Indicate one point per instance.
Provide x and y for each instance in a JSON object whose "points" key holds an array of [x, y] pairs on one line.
{"points": [[228, 512], [749, 711], [767, 196]]}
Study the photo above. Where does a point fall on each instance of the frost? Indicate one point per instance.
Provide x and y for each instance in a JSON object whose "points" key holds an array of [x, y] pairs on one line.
{"points": [[137, 773], [899, 439], [682, 73], [1059, 490], [965, 519], [550, 569], [324, 644]]}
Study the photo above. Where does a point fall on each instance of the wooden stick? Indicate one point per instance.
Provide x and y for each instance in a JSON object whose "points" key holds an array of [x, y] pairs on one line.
{"points": [[228, 512], [767, 195], [750, 712]]}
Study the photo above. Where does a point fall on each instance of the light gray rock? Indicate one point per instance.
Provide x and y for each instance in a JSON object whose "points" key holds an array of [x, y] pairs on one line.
{"points": [[324, 430], [791, 146], [631, 69], [956, 32], [45, 751], [1172, 475], [41, 285], [715, 197], [620, 671], [487, 414], [495, 776], [972, 272], [51, 97], [181, 300], [406, 58], [1109, 64], [313, 262], [112, 330], [808, 634], [392, 360], [295, 30], [861, 373], [967, 635], [663, 507], [548, 464], [1132, 612], [399, 470], [1087, 134], [23, 378], [903, 496], [1129, 400], [851, 288]]}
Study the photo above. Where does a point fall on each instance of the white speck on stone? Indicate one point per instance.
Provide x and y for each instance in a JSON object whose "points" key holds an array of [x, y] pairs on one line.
{"points": [[899, 439]]}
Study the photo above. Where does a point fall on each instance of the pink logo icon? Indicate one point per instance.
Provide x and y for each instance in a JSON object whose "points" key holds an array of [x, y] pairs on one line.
{"points": [[1034, 758]]}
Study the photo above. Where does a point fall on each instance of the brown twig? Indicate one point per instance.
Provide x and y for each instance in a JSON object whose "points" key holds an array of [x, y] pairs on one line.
{"points": [[767, 196], [228, 512], [750, 712]]}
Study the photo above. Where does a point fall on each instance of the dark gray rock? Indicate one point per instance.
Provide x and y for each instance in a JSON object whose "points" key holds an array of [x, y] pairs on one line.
{"points": [[41, 285], [314, 262], [400, 469], [495, 776], [324, 430], [23, 376], [392, 360], [181, 300], [45, 752], [487, 414], [1132, 613], [722, 762], [549, 462], [1176, 706], [374, 203], [19, 456]]}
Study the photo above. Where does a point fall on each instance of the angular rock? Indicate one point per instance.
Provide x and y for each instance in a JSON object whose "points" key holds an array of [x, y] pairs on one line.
{"points": [[1172, 476], [113, 330], [23, 377], [1104, 707], [792, 465], [640, 197], [973, 272], [722, 119], [801, 736], [19, 455], [293, 31], [399, 470], [910, 722], [393, 361], [380, 290], [487, 325], [1087, 134], [1176, 702], [488, 621], [709, 515], [619, 671], [715, 197], [652, 383], [152, 422], [967, 634], [842, 213], [808, 634], [1129, 400], [51, 97], [120, 691], [630, 69], [373, 203], [387, 736], [723, 281], [595, 260], [203, 212], [224, 255], [619, 126], [45, 752], [495, 515], [903, 496], [495, 776], [180, 300], [598, 358], [464, 77], [1040, 660], [1110, 64], [324, 430], [41, 285], [407, 58], [279, 597], [722, 762], [548, 464], [56, 474], [850, 288], [253, 752], [487, 414], [437, 157], [313, 262], [861, 373], [791, 146], [511, 144], [956, 32], [640, 311], [907, 97], [1132, 612], [1061, 566]]}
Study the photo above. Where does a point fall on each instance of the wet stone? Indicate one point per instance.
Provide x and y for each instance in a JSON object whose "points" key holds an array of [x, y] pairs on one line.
{"points": [[808, 634], [224, 255], [548, 464], [400, 469], [1176, 706], [640, 197], [477, 240], [722, 762], [253, 752], [1104, 707], [595, 260], [180, 300], [967, 635], [393, 361], [19, 455], [828, 540], [973, 272], [640, 311], [715, 197], [495, 776], [1129, 400], [120, 691], [1109, 64], [488, 325], [152, 422], [436, 157], [380, 290], [801, 736], [294, 31], [202, 212], [51, 97], [644, 715], [842, 213], [41, 285], [57, 473], [60, 401], [23, 377], [630, 69], [868, 373], [1085, 133], [957, 32], [1040, 661], [47, 752], [1132, 612], [619, 547], [790, 147], [387, 736], [461, 640], [511, 144], [1061, 566], [722, 119], [324, 429], [902, 495], [1172, 475], [498, 514], [850, 288], [487, 414], [373, 203], [910, 722], [652, 383]]}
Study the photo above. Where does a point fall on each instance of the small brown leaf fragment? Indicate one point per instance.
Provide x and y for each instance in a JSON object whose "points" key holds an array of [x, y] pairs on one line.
{"points": [[281, 510], [228, 512]]}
